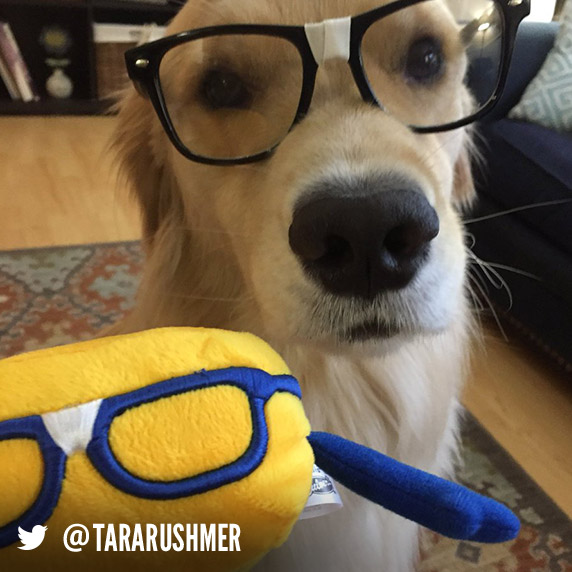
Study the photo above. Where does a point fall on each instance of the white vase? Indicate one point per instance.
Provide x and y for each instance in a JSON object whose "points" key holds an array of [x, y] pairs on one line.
{"points": [[59, 85]]}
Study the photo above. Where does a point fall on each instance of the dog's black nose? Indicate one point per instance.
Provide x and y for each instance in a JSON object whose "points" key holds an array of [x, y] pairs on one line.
{"points": [[362, 245]]}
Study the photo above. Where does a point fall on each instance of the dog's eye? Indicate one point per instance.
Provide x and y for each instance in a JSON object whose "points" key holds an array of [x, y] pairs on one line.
{"points": [[224, 89], [425, 62]]}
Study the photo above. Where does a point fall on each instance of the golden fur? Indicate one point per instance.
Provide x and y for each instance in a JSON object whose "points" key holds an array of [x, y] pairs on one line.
{"points": [[218, 256]]}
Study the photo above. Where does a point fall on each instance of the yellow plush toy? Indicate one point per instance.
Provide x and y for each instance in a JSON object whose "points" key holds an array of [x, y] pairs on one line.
{"points": [[123, 430], [183, 449]]}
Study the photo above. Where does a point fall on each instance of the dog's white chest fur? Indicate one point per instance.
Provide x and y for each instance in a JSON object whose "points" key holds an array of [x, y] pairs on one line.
{"points": [[399, 404]]}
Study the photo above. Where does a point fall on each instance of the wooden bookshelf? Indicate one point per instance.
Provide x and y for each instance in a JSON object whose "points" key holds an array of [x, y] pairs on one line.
{"points": [[28, 18]]}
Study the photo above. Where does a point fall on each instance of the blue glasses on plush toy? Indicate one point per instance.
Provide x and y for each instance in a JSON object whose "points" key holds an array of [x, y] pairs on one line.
{"points": [[438, 504], [87, 427]]}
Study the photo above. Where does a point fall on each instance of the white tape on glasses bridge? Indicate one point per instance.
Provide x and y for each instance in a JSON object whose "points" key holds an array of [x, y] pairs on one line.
{"points": [[330, 39]]}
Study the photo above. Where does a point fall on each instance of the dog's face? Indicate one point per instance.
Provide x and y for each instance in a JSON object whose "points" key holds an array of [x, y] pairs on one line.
{"points": [[350, 230]]}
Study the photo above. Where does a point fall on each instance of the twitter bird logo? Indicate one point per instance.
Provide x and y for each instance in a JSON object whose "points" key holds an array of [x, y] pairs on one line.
{"points": [[31, 540]]}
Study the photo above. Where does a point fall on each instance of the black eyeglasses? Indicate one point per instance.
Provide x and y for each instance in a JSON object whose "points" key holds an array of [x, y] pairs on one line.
{"points": [[228, 95]]}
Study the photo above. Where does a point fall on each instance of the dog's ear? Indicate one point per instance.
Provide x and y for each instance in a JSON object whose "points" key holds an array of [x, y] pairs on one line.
{"points": [[464, 188], [142, 165]]}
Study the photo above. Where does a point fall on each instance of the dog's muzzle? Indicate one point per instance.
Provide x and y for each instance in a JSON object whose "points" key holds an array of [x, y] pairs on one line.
{"points": [[363, 238]]}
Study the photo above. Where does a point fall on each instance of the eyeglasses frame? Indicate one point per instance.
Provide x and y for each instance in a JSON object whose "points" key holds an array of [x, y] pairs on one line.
{"points": [[143, 67]]}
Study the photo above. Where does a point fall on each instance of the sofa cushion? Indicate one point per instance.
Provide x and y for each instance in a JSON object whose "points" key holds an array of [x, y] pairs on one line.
{"points": [[550, 150], [542, 294], [525, 164], [548, 98]]}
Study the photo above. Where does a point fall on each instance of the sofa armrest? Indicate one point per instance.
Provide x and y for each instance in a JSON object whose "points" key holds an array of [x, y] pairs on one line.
{"points": [[533, 42]]}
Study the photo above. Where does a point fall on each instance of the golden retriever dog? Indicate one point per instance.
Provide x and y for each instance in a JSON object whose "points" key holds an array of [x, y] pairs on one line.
{"points": [[343, 248]]}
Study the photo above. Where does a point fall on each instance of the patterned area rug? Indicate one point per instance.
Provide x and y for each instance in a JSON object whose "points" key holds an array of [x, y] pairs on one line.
{"points": [[59, 295]]}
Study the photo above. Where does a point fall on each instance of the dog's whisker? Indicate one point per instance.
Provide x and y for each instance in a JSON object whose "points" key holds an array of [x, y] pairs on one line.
{"points": [[473, 240], [491, 267], [476, 302], [519, 209], [479, 276], [494, 277], [478, 305], [491, 307], [515, 271], [512, 269]]}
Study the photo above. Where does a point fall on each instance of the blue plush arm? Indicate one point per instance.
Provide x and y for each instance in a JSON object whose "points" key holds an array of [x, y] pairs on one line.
{"points": [[438, 504]]}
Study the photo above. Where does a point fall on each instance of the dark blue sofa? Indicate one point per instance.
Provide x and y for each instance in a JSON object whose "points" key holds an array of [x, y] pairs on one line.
{"points": [[527, 164]]}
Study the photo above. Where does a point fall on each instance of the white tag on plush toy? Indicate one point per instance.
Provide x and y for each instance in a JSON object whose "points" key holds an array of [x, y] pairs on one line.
{"points": [[324, 497]]}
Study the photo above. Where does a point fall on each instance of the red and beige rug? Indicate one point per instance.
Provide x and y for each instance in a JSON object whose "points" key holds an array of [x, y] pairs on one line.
{"points": [[54, 296]]}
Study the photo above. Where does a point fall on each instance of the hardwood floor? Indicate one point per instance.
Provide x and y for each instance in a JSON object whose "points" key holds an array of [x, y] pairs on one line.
{"points": [[57, 184], [527, 405], [58, 187]]}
